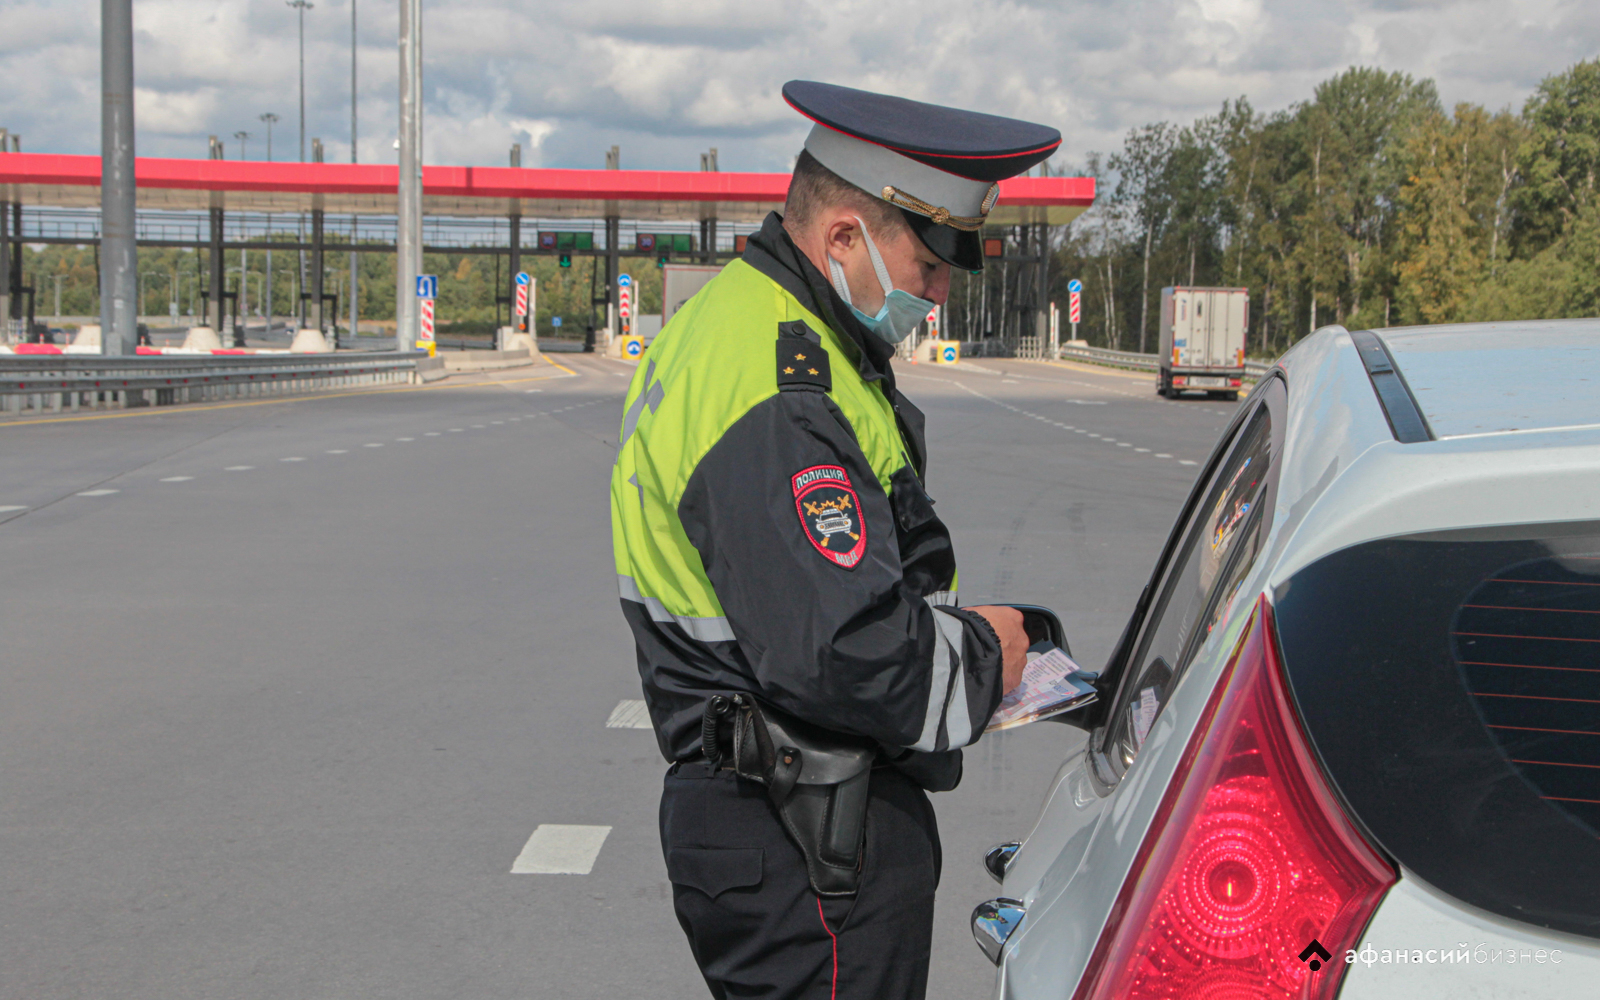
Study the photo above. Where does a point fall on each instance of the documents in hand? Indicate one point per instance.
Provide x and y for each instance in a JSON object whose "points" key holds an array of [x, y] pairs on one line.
{"points": [[1051, 684]]}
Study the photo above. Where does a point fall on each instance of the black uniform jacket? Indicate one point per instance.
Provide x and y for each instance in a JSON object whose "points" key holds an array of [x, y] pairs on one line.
{"points": [[877, 651]]}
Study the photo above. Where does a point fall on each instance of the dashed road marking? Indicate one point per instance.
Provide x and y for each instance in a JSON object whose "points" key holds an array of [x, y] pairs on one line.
{"points": [[373, 444], [1163, 455], [238, 468], [169, 479], [96, 493], [292, 458], [1104, 438], [338, 451], [405, 439], [560, 849], [11, 509], [1185, 461], [629, 714], [533, 390], [477, 427], [457, 430], [431, 434]]}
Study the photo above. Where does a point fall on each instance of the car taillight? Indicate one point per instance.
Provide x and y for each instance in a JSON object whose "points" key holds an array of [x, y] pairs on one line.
{"points": [[1248, 860], [1235, 383], [1179, 380]]}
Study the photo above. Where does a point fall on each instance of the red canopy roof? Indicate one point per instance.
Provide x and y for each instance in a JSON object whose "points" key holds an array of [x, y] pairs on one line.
{"points": [[50, 179]]}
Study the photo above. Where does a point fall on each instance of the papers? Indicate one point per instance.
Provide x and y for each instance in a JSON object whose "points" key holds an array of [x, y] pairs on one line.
{"points": [[1051, 684]]}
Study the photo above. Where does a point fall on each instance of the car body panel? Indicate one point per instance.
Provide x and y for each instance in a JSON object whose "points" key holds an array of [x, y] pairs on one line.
{"points": [[1491, 378], [1425, 923], [1342, 479]]}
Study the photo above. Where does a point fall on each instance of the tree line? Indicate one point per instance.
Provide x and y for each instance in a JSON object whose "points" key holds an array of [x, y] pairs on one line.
{"points": [[1368, 205]]}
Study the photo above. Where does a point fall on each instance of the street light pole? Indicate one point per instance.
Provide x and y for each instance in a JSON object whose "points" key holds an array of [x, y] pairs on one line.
{"points": [[354, 288], [270, 119], [118, 254], [409, 258], [301, 6]]}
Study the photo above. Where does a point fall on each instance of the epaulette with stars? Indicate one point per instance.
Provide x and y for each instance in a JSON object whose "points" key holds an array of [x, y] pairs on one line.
{"points": [[802, 362]]}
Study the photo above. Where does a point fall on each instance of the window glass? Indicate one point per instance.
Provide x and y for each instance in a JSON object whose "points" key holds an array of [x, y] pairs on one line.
{"points": [[1205, 573]]}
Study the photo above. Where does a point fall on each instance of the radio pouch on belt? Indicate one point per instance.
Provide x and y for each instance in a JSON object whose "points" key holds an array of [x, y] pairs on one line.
{"points": [[818, 781]]}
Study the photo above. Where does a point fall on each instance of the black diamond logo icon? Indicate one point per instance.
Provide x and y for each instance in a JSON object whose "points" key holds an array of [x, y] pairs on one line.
{"points": [[1315, 948]]}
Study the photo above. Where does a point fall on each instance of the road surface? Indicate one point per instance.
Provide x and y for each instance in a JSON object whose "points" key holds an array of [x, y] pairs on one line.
{"points": [[288, 686]]}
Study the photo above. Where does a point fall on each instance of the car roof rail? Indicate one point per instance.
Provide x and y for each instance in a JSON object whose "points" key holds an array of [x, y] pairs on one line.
{"points": [[1394, 395]]}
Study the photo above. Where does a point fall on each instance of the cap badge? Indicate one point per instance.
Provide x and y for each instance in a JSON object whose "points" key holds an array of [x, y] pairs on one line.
{"points": [[940, 215]]}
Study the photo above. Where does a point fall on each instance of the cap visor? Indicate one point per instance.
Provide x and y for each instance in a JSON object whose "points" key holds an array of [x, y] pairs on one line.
{"points": [[955, 247]]}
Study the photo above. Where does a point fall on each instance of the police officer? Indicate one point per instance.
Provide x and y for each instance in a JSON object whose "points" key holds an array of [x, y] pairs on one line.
{"points": [[790, 588]]}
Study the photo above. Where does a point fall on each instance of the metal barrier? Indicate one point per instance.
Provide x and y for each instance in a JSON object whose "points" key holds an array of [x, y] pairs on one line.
{"points": [[1143, 362], [65, 382]]}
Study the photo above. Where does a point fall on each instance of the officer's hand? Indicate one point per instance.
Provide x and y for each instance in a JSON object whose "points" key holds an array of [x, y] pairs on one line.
{"points": [[1007, 623]]}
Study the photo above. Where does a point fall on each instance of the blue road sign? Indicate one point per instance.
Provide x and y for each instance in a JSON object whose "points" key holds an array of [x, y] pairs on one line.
{"points": [[624, 280], [949, 354], [522, 277], [635, 347], [555, 320], [427, 286], [1074, 285]]}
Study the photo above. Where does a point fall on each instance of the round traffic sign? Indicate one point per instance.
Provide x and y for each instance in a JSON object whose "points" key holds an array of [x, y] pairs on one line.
{"points": [[522, 277], [624, 280], [1074, 285], [635, 348], [949, 355]]}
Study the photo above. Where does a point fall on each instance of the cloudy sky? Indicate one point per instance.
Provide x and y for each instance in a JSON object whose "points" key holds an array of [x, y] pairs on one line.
{"points": [[667, 79]]}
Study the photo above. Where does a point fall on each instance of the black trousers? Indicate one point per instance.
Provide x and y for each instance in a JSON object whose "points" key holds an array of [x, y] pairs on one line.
{"points": [[754, 924]]}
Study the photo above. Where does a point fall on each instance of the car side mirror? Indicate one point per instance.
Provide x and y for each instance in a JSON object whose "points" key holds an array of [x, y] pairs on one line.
{"points": [[1042, 625]]}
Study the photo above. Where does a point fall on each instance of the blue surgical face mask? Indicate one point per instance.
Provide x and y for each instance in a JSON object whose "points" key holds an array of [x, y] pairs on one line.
{"points": [[901, 310]]}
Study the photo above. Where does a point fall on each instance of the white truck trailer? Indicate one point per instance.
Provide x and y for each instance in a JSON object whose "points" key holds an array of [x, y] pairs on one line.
{"points": [[1202, 341]]}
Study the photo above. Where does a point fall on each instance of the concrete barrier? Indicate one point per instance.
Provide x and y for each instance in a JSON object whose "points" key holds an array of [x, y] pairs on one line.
{"points": [[202, 338], [308, 341]]}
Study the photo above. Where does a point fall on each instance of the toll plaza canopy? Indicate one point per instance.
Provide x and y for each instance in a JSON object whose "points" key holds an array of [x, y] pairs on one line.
{"points": [[48, 180]]}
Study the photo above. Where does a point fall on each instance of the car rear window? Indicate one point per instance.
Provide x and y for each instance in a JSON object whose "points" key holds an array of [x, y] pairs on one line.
{"points": [[1527, 641], [1450, 683]]}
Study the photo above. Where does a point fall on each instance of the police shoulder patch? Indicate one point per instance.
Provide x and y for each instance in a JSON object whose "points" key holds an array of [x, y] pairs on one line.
{"points": [[830, 514], [802, 363]]}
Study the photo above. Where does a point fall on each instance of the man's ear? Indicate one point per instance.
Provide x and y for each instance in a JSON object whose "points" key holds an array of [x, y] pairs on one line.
{"points": [[840, 235]]}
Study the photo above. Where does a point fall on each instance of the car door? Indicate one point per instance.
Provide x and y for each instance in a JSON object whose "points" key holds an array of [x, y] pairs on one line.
{"points": [[1077, 853]]}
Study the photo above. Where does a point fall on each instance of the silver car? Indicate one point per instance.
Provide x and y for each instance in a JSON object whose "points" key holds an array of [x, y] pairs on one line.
{"points": [[1349, 742]]}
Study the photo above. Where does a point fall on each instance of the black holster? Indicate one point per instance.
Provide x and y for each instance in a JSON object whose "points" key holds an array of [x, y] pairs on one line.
{"points": [[817, 779]]}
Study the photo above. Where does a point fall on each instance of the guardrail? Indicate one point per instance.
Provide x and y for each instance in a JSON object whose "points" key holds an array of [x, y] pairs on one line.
{"points": [[1143, 362], [69, 382]]}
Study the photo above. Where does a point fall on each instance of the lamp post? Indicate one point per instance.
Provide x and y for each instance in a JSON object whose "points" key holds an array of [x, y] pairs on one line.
{"points": [[119, 261], [408, 261], [352, 298], [301, 6], [270, 119]]}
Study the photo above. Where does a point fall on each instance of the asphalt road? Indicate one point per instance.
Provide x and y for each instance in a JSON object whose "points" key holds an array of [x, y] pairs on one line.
{"points": [[286, 687]]}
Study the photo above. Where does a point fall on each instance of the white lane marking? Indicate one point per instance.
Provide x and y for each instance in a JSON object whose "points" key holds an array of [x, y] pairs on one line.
{"points": [[431, 434], [7, 510], [533, 390], [238, 468], [338, 451], [1009, 381], [477, 427], [373, 444], [622, 375], [169, 479], [1163, 455], [405, 439], [1142, 451], [457, 430], [629, 714], [1106, 438], [560, 849], [96, 493], [293, 458], [497, 422]]}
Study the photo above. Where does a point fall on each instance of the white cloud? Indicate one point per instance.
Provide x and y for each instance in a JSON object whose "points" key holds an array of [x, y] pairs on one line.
{"points": [[665, 79]]}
